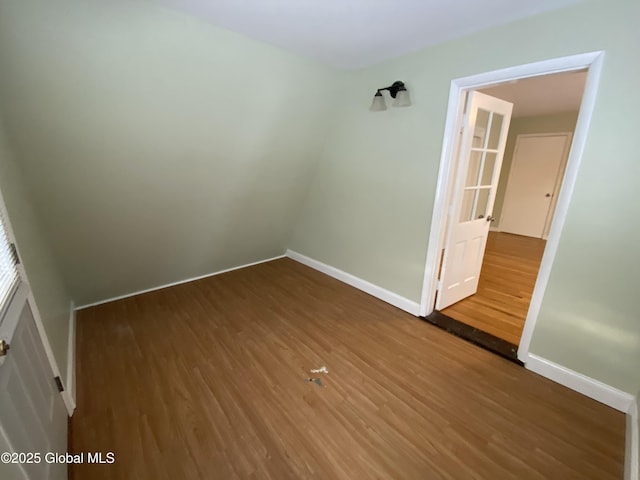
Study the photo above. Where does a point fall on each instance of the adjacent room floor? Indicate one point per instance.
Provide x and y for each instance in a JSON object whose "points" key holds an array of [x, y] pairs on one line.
{"points": [[210, 380], [509, 272]]}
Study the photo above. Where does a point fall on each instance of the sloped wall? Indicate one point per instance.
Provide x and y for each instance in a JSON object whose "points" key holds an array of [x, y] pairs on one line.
{"points": [[156, 147]]}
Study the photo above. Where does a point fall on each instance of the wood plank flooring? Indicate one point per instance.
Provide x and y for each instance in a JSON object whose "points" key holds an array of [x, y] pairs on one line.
{"points": [[509, 272], [209, 380]]}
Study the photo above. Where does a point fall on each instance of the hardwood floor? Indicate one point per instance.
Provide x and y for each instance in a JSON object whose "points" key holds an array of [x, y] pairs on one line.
{"points": [[509, 272], [209, 380]]}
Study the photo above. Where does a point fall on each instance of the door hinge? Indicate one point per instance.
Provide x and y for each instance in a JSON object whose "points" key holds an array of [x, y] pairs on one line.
{"points": [[14, 253], [4, 348], [438, 285], [59, 384]]}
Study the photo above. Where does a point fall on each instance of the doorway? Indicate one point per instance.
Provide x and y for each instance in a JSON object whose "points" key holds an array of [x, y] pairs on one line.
{"points": [[545, 110], [510, 259]]}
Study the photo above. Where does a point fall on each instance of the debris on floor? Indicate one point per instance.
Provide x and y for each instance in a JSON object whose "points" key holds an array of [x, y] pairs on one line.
{"points": [[317, 381]]}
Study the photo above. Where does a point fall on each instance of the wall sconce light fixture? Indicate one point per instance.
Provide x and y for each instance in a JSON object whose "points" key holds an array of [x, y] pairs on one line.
{"points": [[399, 94]]}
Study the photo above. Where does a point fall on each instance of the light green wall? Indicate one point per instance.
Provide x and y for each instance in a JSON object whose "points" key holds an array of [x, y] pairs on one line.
{"points": [[47, 285], [369, 209], [156, 146], [555, 123]]}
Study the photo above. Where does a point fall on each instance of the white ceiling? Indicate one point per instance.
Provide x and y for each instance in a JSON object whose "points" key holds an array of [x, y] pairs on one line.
{"points": [[542, 95], [357, 33]]}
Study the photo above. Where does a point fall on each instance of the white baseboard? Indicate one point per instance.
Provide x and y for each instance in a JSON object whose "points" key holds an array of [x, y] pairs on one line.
{"points": [[179, 282], [70, 387], [632, 451], [367, 287], [580, 383], [494, 229]]}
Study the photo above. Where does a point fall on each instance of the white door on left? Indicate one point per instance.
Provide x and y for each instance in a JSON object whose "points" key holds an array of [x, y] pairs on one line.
{"points": [[33, 417], [9, 471]]}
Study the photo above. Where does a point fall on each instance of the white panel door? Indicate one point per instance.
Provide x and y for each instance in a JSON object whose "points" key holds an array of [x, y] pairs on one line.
{"points": [[534, 179], [10, 471], [33, 417], [484, 136]]}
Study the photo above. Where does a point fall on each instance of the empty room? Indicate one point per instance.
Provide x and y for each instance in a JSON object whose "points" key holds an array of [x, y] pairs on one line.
{"points": [[226, 228]]}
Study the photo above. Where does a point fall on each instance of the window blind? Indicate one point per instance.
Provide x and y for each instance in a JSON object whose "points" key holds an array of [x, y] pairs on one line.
{"points": [[9, 277]]}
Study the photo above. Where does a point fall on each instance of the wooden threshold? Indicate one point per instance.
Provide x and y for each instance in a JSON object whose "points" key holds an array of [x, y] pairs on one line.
{"points": [[474, 335]]}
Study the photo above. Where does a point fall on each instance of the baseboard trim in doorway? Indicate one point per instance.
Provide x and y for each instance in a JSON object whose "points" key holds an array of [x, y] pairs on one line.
{"points": [[70, 386], [485, 340], [632, 451], [588, 386], [374, 290], [179, 282]]}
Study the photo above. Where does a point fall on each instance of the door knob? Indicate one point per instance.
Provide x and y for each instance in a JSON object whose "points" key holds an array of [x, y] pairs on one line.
{"points": [[490, 218], [4, 348], [548, 195]]}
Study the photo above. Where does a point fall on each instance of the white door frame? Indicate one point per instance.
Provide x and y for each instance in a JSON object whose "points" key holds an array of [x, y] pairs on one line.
{"points": [[559, 174], [593, 62], [67, 396]]}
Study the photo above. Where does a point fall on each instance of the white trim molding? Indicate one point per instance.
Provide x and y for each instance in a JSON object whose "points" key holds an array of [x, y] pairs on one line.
{"points": [[179, 282], [70, 386], [593, 61], [594, 389], [632, 451], [374, 290], [459, 87]]}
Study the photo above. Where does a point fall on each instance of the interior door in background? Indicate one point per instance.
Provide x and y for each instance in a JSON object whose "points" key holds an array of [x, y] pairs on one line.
{"points": [[534, 181], [484, 135]]}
